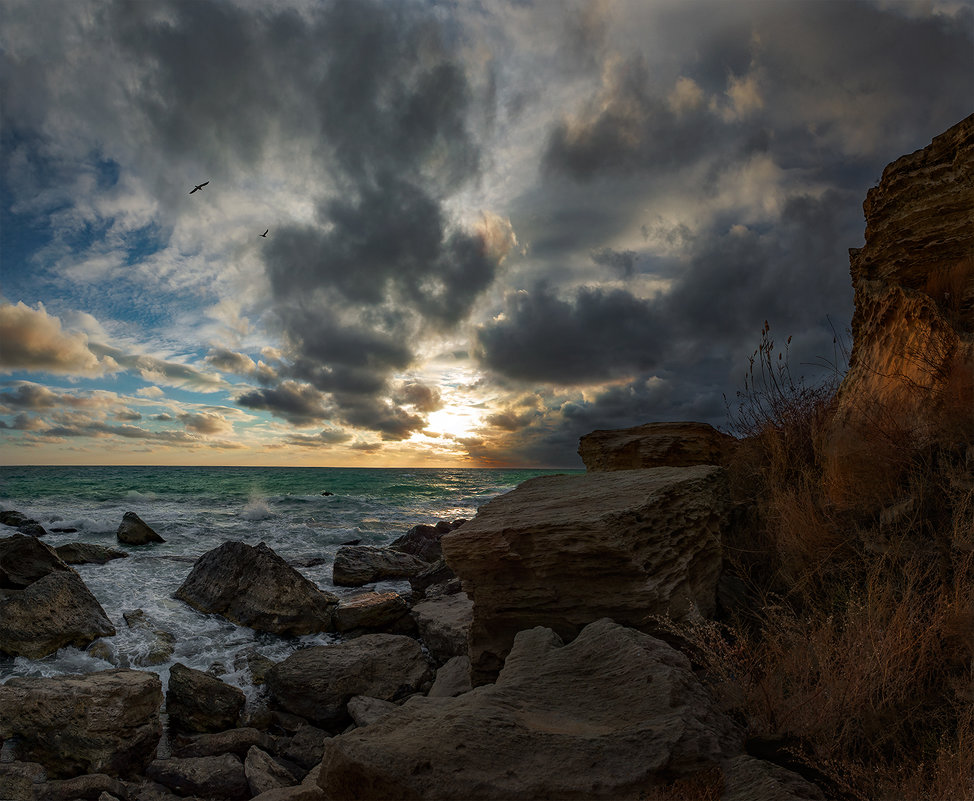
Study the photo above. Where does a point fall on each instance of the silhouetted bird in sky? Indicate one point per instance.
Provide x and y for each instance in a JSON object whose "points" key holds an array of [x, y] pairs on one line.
{"points": [[198, 188], [265, 232]]}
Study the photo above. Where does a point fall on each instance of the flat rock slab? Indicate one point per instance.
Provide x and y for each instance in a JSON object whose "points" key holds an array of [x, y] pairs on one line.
{"points": [[606, 716], [655, 445], [82, 553], [369, 610], [105, 722], [356, 565], [562, 551], [220, 777]]}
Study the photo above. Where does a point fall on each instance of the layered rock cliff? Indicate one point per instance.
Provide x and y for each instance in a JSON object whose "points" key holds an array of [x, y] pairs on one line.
{"points": [[911, 372]]}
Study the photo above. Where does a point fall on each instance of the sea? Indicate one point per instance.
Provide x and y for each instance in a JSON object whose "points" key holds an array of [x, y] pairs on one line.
{"points": [[303, 513]]}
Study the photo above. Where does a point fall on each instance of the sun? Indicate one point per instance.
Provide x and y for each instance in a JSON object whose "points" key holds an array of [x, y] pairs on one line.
{"points": [[455, 421]]}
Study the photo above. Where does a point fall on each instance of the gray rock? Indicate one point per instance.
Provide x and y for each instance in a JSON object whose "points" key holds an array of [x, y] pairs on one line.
{"points": [[452, 679], [306, 746], [750, 779], [81, 553], [90, 786], [25, 525], [435, 574], [232, 741], [356, 565], [134, 531], [25, 559], [105, 722], [52, 612], [18, 780], [444, 625], [317, 683], [365, 710], [610, 715], [424, 540], [220, 777], [264, 773], [198, 702], [563, 551], [255, 587], [369, 610], [308, 790]]}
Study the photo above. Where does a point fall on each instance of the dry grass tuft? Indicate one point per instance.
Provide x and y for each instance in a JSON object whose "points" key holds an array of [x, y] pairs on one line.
{"points": [[856, 651]]}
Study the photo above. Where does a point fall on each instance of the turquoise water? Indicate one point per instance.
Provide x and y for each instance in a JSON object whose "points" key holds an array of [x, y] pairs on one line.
{"points": [[196, 509]]}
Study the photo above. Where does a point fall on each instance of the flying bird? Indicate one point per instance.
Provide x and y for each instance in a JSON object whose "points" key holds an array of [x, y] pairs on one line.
{"points": [[265, 232], [198, 188]]}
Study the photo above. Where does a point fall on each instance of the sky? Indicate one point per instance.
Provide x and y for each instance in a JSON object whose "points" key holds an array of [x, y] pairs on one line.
{"points": [[493, 226]]}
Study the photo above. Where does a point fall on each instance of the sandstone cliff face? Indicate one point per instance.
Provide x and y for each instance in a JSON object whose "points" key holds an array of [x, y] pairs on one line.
{"points": [[563, 551], [911, 370]]}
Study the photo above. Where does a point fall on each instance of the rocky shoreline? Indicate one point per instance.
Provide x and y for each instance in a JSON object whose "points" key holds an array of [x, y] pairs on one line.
{"points": [[539, 653]]}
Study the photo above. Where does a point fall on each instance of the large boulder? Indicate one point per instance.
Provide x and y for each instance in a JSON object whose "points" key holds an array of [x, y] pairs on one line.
{"points": [[562, 551], [317, 683], [106, 722], [82, 553], [910, 380], [444, 625], [133, 530], [356, 565], [24, 559], [611, 715], [655, 445], [199, 702], [253, 586], [52, 612]]}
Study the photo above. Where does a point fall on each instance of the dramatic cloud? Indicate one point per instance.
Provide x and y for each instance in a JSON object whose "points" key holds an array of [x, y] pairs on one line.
{"points": [[31, 339], [491, 227]]}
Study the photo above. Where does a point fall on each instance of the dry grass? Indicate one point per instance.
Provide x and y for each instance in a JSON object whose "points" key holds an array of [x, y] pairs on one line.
{"points": [[857, 649]]}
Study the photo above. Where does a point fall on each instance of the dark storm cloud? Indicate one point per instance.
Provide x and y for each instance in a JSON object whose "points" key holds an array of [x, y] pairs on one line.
{"points": [[299, 404], [383, 266], [597, 334], [622, 261]]}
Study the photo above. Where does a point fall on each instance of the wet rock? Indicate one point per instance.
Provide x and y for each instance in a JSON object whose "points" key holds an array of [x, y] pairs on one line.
{"points": [[105, 722], [52, 612], [356, 565], [198, 702], [264, 773], [369, 610], [607, 716], [25, 559], [255, 587], [134, 531], [655, 445], [562, 551], [444, 625], [424, 540], [81, 553], [161, 644], [25, 525], [317, 683], [213, 777]]}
